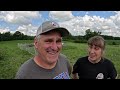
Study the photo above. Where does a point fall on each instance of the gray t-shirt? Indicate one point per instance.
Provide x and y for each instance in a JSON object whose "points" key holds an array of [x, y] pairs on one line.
{"points": [[30, 70]]}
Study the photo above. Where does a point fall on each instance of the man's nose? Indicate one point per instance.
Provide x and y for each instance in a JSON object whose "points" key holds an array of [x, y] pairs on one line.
{"points": [[54, 46]]}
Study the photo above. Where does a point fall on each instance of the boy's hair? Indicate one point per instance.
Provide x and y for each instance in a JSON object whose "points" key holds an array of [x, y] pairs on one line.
{"points": [[97, 41]]}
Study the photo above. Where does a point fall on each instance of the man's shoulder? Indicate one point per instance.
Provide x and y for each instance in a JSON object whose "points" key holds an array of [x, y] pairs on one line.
{"points": [[24, 69], [62, 56], [27, 63]]}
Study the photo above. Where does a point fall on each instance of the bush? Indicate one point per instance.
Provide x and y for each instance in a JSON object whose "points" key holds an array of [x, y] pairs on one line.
{"points": [[113, 43], [80, 41], [2, 54], [77, 41]]}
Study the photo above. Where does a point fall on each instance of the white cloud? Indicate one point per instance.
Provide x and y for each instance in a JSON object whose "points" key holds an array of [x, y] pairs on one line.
{"points": [[3, 30], [27, 29], [75, 24], [61, 15], [108, 26], [19, 17]]}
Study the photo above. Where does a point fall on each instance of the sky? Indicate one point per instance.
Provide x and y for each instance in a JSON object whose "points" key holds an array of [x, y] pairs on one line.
{"points": [[77, 22]]}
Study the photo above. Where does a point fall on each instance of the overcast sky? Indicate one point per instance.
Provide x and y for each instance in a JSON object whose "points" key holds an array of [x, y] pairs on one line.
{"points": [[27, 22]]}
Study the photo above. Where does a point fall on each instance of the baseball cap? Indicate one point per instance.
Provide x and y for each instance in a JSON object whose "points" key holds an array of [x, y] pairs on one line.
{"points": [[52, 25]]}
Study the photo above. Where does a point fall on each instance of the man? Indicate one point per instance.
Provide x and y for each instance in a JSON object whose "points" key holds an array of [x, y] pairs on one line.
{"points": [[94, 66], [48, 63]]}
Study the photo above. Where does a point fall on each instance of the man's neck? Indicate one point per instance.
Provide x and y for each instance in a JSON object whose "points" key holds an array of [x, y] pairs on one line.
{"points": [[43, 64]]}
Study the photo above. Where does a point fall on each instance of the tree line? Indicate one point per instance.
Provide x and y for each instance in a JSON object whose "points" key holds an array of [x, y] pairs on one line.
{"points": [[89, 33], [7, 36]]}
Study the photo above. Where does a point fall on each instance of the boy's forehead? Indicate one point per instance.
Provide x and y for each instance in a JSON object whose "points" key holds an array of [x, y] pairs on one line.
{"points": [[93, 45]]}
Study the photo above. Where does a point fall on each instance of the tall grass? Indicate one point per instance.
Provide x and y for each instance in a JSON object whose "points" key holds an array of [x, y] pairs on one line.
{"points": [[11, 56]]}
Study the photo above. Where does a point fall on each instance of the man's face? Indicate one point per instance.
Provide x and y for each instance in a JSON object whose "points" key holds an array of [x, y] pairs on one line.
{"points": [[49, 47], [95, 53]]}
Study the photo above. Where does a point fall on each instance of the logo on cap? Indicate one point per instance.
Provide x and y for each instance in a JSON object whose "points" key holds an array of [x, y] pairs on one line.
{"points": [[54, 24]]}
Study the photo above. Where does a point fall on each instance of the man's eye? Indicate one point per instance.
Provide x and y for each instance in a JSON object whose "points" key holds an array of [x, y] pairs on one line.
{"points": [[59, 41], [48, 41]]}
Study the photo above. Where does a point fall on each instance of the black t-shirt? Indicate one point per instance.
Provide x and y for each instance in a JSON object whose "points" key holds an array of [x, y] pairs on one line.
{"points": [[101, 70]]}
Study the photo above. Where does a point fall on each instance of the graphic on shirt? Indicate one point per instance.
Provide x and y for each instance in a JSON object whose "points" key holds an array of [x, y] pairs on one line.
{"points": [[63, 75], [100, 76]]}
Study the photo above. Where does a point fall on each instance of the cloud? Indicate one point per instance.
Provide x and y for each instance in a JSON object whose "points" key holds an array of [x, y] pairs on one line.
{"points": [[75, 24], [108, 26], [3, 30], [19, 17], [61, 15], [27, 29]]}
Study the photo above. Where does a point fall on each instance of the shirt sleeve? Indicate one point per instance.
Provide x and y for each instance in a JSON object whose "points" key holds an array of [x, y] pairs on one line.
{"points": [[69, 67], [75, 67], [112, 71]]}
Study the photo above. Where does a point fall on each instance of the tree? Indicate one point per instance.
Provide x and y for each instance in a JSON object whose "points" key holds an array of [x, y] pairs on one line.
{"points": [[89, 33], [6, 36], [18, 35]]}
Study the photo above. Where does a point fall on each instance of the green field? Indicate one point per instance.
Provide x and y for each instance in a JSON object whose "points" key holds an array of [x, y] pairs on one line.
{"points": [[11, 56]]}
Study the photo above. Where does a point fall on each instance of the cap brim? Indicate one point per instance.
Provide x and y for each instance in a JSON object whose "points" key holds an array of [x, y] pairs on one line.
{"points": [[64, 32]]}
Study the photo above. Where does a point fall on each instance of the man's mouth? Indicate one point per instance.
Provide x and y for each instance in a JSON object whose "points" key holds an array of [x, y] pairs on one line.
{"points": [[52, 52]]}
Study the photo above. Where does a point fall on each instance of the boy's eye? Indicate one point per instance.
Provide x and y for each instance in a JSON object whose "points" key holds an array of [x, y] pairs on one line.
{"points": [[96, 48]]}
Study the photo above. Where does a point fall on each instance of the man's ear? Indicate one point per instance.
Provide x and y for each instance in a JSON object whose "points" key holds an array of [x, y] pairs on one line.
{"points": [[35, 42]]}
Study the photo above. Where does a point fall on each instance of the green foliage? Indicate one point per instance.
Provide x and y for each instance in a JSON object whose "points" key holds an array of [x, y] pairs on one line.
{"points": [[90, 34], [80, 41], [77, 41], [2, 54], [113, 43], [7, 36], [13, 57]]}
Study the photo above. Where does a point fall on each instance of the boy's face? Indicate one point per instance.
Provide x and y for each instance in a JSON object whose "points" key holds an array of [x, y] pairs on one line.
{"points": [[95, 53]]}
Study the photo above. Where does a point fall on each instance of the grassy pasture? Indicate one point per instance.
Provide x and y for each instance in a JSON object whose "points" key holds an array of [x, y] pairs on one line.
{"points": [[11, 56]]}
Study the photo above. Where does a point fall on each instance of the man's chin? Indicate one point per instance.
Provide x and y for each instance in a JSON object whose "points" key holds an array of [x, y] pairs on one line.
{"points": [[53, 59]]}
